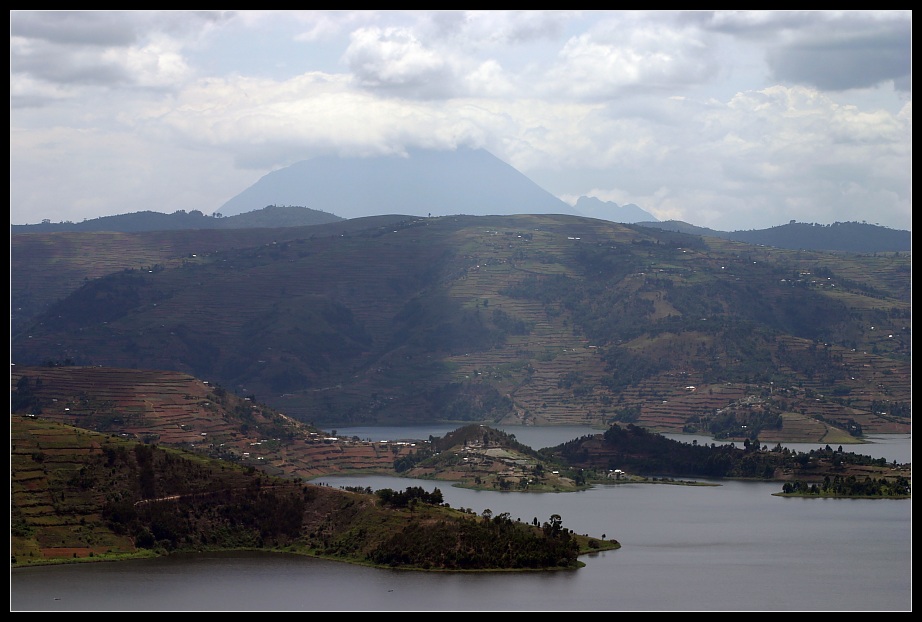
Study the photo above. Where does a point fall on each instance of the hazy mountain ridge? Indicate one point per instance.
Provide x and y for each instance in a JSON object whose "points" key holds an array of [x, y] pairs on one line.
{"points": [[270, 216], [537, 319], [848, 236], [852, 237], [593, 207], [426, 183]]}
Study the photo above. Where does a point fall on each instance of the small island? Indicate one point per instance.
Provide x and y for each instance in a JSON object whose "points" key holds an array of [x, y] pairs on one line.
{"points": [[849, 487], [480, 457], [819, 472]]}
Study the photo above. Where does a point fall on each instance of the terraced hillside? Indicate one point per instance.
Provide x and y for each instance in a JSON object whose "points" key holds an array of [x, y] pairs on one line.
{"points": [[539, 320], [175, 409], [82, 495]]}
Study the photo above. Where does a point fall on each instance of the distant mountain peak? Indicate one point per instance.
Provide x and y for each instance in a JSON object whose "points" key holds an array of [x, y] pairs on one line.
{"points": [[593, 207], [424, 182]]}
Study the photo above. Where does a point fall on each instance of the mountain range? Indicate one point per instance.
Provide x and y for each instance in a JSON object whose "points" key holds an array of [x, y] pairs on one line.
{"points": [[441, 183], [851, 237], [593, 207]]}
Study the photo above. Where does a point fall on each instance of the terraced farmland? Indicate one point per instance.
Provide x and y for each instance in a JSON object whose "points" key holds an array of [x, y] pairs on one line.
{"points": [[175, 409]]}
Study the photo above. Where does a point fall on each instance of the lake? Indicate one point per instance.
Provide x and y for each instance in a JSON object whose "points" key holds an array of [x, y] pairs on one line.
{"points": [[731, 547]]}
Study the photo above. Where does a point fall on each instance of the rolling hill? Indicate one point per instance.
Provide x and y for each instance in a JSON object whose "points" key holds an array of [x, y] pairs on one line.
{"points": [[269, 216], [852, 237], [47, 265], [536, 319]]}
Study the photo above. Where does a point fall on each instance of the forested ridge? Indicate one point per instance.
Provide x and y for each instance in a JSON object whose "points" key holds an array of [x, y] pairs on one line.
{"points": [[829, 471]]}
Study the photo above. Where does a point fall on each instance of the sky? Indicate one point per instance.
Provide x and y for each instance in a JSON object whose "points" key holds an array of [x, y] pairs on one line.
{"points": [[731, 120]]}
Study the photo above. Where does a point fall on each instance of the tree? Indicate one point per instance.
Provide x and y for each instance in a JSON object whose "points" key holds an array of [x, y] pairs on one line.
{"points": [[553, 528]]}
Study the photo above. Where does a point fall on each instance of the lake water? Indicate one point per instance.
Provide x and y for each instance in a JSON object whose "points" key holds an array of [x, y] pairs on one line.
{"points": [[732, 547]]}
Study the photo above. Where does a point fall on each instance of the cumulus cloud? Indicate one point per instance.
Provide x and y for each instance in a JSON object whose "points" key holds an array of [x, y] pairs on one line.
{"points": [[509, 27], [104, 48], [613, 62], [88, 28], [395, 60], [839, 60], [753, 159], [829, 50]]}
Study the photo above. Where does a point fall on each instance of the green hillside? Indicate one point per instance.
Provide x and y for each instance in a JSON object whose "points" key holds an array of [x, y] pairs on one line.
{"points": [[78, 495], [534, 319]]}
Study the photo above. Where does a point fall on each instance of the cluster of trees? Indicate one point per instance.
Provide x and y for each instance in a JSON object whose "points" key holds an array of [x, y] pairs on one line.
{"points": [[180, 507], [413, 494], [727, 424], [228, 519], [484, 435], [894, 409], [410, 460], [24, 399], [851, 487], [465, 543]]}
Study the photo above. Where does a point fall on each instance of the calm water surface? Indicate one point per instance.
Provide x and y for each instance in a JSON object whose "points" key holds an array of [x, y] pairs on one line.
{"points": [[732, 547]]}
